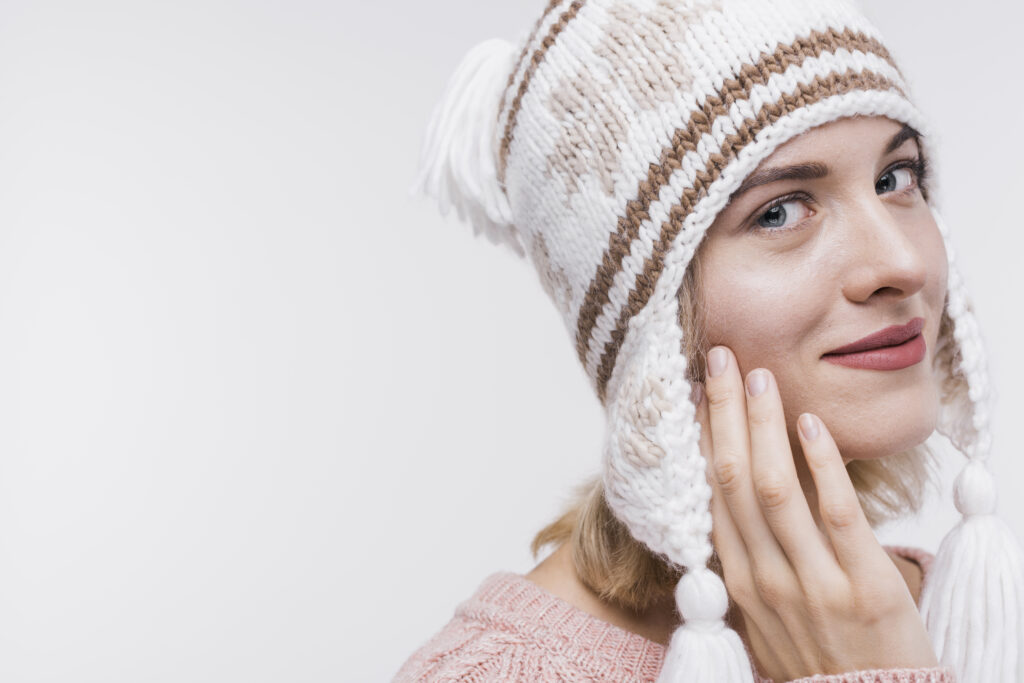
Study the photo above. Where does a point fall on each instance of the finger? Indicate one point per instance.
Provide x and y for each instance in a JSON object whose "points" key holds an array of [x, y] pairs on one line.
{"points": [[737, 572], [751, 615], [730, 435], [747, 614], [853, 541], [725, 537], [778, 489]]}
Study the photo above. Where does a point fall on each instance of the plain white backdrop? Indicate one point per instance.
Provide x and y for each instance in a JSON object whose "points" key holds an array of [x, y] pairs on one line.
{"points": [[265, 418]]}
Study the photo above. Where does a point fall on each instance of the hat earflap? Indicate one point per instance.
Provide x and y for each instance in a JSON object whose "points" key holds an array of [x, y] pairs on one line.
{"points": [[655, 481], [974, 593]]}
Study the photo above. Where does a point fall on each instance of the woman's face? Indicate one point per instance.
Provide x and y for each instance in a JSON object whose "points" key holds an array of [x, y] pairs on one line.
{"points": [[828, 241]]}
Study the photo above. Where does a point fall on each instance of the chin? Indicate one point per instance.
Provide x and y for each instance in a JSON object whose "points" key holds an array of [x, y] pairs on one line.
{"points": [[873, 414], [894, 426]]}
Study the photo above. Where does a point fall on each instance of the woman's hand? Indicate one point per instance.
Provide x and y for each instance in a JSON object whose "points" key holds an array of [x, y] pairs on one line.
{"points": [[812, 602]]}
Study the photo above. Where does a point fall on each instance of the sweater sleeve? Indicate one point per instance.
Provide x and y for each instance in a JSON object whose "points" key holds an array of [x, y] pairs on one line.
{"points": [[938, 674], [464, 652], [459, 652]]}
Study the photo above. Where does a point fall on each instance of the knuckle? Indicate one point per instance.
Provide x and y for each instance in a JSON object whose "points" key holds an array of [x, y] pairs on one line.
{"points": [[772, 491], [760, 418], [840, 515], [721, 397], [728, 474], [769, 589], [742, 593]]}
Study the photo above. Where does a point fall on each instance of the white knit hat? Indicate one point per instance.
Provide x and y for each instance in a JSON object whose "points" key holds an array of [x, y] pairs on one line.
{"points": [[602, 146]]}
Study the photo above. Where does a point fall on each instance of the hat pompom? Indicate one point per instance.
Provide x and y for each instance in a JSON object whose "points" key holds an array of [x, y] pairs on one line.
{"points": [[703, 648], [973, 599], [974, 595], [458, 161]]}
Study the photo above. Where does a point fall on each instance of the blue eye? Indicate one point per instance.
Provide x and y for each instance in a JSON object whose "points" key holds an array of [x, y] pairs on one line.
{"points": [[782, 215], [894, 181]]}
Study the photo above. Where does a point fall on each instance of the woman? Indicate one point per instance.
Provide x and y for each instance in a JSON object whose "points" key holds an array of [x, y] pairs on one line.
{"points": [[727, 200]]}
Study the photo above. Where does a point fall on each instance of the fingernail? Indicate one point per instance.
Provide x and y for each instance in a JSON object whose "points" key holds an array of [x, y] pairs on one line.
{"points": [[717, 361], [809, 426], [757, 382], [697, 393]]}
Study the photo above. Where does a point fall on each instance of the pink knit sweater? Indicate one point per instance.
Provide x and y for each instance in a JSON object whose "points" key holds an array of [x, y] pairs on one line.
{"points": [[511, 629]]}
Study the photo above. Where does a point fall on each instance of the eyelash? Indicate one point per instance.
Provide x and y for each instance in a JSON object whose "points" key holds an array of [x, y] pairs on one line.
{"points": [[917, 165]]}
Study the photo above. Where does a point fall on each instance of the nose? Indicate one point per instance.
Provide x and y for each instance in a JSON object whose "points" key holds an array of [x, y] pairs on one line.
{"points": [[886, 262]]}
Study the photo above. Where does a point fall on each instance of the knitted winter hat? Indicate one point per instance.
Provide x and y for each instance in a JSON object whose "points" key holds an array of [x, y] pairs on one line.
{"points": [[602, 146]]}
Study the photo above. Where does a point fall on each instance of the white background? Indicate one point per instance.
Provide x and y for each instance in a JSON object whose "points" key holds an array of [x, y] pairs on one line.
{"points": [[264, 418]]}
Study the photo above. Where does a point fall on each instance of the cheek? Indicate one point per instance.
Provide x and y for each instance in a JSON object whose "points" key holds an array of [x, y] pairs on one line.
{"points": [[932, 250], [938, 269], [764, 314], [766, 317]]}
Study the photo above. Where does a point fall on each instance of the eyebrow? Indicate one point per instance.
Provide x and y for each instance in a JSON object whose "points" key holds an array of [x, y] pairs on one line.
{"points": [[764, 176], [811, 170], [906, 133]]}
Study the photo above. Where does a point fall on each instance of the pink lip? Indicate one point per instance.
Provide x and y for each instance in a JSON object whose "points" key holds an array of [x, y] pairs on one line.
{"points": [[893, 348]]}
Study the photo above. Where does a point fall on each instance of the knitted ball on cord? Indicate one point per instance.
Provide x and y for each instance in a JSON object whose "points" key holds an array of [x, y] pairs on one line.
{"points": [[602, 145]]}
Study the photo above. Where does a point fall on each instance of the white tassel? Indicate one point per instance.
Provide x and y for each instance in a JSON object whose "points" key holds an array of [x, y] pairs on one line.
{"points": [[704, 648], [973, 599], [458, 162]]}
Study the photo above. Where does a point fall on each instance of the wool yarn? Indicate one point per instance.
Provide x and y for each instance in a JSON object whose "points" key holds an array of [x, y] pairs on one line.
{"points": [[601, 145]]}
